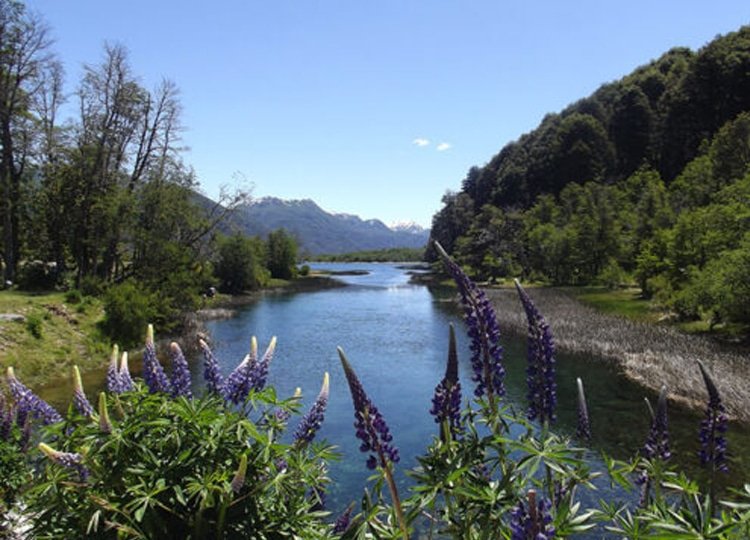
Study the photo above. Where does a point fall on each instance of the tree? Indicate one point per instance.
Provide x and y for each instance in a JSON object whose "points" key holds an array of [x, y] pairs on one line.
{"points": [[241, 264], [24, 54], [282, 255]]}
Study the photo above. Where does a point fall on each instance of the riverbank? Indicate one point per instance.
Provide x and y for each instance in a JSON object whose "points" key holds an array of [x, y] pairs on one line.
{"points": [[650, 354], [43, 334]]}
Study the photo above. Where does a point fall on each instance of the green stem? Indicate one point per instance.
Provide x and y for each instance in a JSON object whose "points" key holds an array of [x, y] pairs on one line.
{"points": [[396, 500]]}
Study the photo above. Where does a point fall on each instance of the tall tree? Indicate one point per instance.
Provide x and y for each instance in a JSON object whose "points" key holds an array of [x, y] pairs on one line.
{"points": [[24, 53]]}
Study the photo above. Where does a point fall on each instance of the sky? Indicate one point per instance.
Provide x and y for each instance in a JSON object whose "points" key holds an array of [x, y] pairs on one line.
{"points": [[375, 108]]}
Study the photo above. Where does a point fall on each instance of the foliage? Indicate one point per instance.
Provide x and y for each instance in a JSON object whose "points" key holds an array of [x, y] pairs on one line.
{"points": [[646, 177], [127, 310], [378, 255], [34, 325], [241, 264], [281, 249]]}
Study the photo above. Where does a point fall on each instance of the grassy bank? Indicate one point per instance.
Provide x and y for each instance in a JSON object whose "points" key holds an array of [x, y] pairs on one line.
{"points": [[48, 333], [43, 334]]}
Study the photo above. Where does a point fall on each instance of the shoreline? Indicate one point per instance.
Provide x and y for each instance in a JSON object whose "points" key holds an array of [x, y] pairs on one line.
{"points": [[647, 353]]}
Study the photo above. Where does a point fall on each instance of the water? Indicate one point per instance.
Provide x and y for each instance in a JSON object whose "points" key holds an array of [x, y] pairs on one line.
{"points": [[395, 335]]}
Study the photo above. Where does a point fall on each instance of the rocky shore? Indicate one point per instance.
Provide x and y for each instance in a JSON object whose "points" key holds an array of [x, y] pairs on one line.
{"points": [[650, 354]]}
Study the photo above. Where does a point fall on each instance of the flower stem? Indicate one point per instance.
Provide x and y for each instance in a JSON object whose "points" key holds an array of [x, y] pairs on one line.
{"points": [[396, 500]]}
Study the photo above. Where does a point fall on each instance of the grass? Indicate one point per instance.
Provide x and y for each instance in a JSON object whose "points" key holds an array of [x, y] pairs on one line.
{"points": [[55, 335], [626, 303]]}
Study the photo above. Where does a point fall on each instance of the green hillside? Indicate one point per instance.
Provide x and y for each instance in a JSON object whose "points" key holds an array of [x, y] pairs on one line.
{"points": [[646, 181]]}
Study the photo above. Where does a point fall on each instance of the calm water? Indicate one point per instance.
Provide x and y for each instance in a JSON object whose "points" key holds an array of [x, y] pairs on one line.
{"points": [[395, 335]]}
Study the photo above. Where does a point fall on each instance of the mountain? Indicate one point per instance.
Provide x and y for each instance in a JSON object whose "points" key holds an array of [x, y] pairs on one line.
{"points": [[320, 232]]}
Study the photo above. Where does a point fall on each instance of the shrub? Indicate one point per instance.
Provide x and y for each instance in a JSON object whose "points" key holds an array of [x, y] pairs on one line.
{"points": [[34, 325], [73, 296], [127, 311], [36, 275], [304, 270]]}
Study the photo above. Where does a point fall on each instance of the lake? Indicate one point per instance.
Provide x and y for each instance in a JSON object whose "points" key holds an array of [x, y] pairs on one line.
{"points": [[395, 335]]}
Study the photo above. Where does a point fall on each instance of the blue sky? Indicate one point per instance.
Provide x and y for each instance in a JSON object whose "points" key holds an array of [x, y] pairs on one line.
{"points": [[374, 108]]}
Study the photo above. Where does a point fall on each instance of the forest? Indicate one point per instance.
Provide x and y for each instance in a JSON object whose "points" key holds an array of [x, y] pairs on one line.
{"points": [[102, 202], [645, 182]]}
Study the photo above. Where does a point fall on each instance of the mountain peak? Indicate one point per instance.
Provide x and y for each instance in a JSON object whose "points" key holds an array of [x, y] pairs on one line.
{"points": [[318, 231]]}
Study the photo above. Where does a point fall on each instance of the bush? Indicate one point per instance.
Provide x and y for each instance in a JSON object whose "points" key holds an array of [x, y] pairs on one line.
{"points": [[37, 276], [613, 276], [34, 325], [73, 296], [304, 270], [128, 308]]}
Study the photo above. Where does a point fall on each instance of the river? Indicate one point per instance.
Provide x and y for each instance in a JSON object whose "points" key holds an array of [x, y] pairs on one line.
{"points": [[395, 335]]}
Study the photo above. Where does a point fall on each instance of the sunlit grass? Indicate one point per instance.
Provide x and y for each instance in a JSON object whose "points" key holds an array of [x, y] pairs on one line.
{"points": [[54, 336], [622, 302]]}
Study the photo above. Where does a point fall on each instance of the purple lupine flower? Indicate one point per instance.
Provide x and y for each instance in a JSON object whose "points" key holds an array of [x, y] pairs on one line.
{"points": [[343, 521], [114, 384], [211, 371], [446, 402], [126, 381], [714, 426], [260, 369], [239, 382], [657, 441], [80, 400], [369, 423], [583, 429], [239, 477], [180, 372], [27, 402], [540, 373], [311, 422], [483, 330], [153, 373], [66, 459], [531, 521]]}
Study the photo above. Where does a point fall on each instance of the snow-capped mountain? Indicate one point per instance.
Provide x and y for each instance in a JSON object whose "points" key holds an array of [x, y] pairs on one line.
{"points": [[318, 231]]}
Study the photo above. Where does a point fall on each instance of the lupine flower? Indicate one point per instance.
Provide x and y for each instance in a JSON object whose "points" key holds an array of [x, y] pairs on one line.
{"points": [[479, 315], [446, 402], [153, 373], [66, 459], [311, 422], [343, 521], [260, 369], [657, 442], [180, 372], [714, 426], [80, 400], [540, 373], [211, 371], [126, 381], [239, 477], [583, 429], [27, 402], [239, 382], [105, 425], [531, 521], [114, 384], [23, 443], [369, 423]]}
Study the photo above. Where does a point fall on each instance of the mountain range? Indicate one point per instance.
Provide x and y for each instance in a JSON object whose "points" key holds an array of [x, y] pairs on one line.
{"points": [[320, 232]]}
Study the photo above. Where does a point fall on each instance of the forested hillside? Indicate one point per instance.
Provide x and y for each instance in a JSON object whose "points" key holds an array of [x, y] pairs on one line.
{"points": [[647, 180]]}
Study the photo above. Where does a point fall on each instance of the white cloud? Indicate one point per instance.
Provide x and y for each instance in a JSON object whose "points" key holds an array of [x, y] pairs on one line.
{"points": [[421, 142], [443, 146]]}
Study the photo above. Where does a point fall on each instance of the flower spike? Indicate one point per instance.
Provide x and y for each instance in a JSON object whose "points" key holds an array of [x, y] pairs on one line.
{"points": [[114, 384], [480, 318], [211, 371], [239, 477], [180, 372], [714, 426], [80, 400], [540, 374], [66, 459], [446, 402], [311, 422], [153, 373], [27, 402], [126, 381], [105, 425], [583, 429]]}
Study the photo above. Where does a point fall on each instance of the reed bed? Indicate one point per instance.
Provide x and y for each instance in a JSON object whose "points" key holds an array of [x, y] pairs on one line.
{"points": [[650, 354]]}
